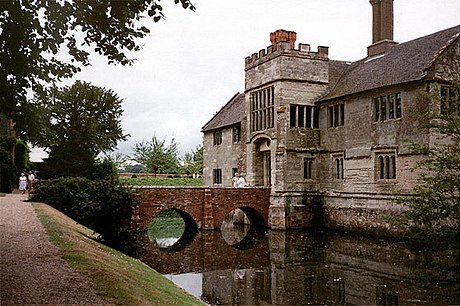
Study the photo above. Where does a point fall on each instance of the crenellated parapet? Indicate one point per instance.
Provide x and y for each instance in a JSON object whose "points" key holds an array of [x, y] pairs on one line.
{"points": [[283, 43]]}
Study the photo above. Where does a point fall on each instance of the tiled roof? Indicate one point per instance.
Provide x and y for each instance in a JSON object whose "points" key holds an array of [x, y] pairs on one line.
{"points": [[402, 63], [231, 113]]}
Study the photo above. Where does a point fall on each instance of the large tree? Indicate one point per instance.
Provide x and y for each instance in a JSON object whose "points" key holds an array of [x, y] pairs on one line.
{"points": [[79, 122], [156, 156], [35, 33], [192, 162], [436, 208]]}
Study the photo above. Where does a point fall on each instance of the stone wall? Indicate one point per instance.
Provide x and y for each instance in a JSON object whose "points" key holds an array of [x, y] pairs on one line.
{"points": [[226, 156]]}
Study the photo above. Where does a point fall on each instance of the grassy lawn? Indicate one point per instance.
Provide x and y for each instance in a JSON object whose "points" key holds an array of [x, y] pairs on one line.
{"points": [[119, 278], [162, 181]]}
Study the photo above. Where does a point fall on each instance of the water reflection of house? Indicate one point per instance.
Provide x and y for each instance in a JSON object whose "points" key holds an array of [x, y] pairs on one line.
{"points": [[307, 124], [344, 271]]}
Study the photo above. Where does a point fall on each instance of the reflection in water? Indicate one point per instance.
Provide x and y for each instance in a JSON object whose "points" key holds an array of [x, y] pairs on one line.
{"points": [[166, 242], [172, 230], [191, 282], [299, 268]]}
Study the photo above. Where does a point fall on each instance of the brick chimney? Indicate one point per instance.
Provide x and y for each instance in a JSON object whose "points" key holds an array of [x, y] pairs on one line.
{"points": [[382, 27], [283, 36]]}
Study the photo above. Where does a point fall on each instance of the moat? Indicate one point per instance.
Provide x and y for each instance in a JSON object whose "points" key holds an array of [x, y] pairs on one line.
{"points": [[249, 267]]}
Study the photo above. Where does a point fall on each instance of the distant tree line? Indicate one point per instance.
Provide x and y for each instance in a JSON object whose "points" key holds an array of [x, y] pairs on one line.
{"points": [[157, 157]]}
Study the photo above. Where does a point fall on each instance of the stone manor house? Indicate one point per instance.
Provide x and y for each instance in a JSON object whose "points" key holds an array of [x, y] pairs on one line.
{"points": [[308, 126]]}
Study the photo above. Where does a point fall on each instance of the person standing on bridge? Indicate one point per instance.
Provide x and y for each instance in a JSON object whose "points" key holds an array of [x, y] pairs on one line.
{"points": [[241, 182], [235, 179]]}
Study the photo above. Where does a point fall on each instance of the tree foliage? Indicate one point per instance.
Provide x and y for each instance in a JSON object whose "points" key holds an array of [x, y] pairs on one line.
{"points": [[436, 208], [119, 160], [8, 169], [78, 123], [156, 156], [99, 202], [35, 33], [192, 162]]}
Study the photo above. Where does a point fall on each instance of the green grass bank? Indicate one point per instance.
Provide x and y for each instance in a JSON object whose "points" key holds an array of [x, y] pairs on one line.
{"points": [[120, 279]]}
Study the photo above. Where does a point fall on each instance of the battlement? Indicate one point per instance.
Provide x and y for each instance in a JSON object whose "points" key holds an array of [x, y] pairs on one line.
{"points": [[284, 48], [283, 43]]}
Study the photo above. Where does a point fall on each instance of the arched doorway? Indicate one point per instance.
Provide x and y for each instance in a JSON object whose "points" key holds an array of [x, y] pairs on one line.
{"points": [[262, 162]]}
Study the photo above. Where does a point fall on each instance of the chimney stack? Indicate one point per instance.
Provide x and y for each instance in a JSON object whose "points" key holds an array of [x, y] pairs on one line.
{"points": [[283, 36], [382, 27]]}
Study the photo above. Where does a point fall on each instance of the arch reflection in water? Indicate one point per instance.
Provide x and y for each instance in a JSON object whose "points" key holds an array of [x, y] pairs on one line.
{"points": [[301, 268], [172, 230], [243, 228]]}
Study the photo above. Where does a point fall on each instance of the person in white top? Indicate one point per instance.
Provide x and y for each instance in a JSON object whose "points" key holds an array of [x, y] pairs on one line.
{"points": [[235, 179], [23, 183], [241, 182], [31, 179]]}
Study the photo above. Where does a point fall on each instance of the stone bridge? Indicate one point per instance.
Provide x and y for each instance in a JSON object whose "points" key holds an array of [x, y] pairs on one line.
{"points": [[207, 207]]}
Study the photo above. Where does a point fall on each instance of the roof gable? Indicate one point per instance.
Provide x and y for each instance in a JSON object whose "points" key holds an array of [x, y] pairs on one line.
{"points": [[402, 63], [230, 114]]}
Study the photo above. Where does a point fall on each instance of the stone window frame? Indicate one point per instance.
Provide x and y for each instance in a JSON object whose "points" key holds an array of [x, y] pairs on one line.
{"points": [[386, 296], [337, 166], [303, 116], [449, 98], [387, 107], [386, 165], [236, 134], [309, 168], [336, 115], [262, 109], [217, 137], [217, 176]]}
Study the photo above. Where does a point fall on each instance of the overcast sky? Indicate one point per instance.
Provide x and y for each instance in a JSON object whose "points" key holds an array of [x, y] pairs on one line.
{"points": [[192, 63]]}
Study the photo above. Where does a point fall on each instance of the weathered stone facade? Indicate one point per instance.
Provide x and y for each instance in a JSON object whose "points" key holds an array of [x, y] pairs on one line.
{"points": [[315, 128]]}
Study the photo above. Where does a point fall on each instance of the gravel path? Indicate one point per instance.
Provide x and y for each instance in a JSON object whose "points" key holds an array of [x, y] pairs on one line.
{"points": [[32, 271]]}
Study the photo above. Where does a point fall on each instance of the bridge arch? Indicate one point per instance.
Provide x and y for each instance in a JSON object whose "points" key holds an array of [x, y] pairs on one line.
{"points": [[158, 228], [243, 228], [207, 206], [255, 217]]}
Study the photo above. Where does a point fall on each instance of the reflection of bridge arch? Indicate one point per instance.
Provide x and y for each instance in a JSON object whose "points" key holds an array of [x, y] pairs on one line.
{"points": [[190, 231], [206, 206], [254, 216]]}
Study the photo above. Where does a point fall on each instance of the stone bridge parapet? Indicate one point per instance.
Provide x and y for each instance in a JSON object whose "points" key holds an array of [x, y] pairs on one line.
{"points": [[208, 206]]}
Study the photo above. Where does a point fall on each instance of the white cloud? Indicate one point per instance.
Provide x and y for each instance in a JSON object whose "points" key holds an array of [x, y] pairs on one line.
{"points": [[193, 62]]}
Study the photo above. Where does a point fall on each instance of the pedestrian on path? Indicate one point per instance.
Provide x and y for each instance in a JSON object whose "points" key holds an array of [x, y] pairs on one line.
{"points": [[23, 183]]}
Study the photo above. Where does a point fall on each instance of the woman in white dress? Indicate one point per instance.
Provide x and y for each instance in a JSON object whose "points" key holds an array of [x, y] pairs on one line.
{"points": [[23, 183]]}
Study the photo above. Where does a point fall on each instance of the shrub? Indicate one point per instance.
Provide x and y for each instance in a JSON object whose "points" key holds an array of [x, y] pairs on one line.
{"points": [[102, 205]]}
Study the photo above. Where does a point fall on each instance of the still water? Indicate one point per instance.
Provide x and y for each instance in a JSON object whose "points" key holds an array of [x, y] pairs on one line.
{"points": [[248, 267]]}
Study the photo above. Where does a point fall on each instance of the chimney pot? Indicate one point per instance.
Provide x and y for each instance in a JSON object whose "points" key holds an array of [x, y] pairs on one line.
{"points": [[283, 36]]}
